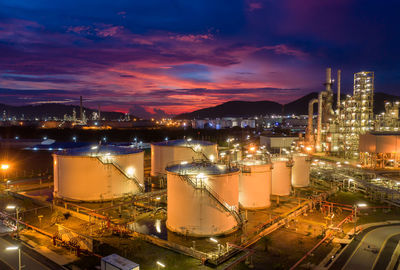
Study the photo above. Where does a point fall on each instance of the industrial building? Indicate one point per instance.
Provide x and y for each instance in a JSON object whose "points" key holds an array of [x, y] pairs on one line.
{"points": [[380, 150], [338, 132], [203, 199], [163, 153], [98, 173]]}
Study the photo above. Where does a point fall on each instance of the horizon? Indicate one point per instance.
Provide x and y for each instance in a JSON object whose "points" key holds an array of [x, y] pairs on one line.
{"points": [[155, 59]]}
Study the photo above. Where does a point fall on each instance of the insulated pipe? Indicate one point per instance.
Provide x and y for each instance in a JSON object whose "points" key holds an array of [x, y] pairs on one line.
{"points": [[319, 127], [310, 130], [339, 75]]}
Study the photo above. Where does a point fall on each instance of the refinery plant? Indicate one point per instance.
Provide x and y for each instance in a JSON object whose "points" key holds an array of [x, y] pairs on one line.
{"points": [[218, 202]]}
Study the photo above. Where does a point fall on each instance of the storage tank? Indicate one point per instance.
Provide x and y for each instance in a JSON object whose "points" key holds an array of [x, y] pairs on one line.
{"points": [[98, 173], [301, 170], [203, 199], [167, 152], [281, 176], [255, 184]]}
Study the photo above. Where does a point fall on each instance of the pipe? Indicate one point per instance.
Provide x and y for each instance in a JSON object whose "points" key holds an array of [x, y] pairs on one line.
{"points": [[319, 127], [339, 75], [310, 129]]}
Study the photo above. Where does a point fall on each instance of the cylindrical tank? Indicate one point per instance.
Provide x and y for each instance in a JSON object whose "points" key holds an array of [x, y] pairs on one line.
{"points": [[167, 152], [255, 184], [301, 170], [98, 173], [281, 176], [203, 199]]}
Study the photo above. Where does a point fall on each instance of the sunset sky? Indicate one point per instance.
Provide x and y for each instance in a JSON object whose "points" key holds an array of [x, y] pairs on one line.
{"points": [[168, 56]]}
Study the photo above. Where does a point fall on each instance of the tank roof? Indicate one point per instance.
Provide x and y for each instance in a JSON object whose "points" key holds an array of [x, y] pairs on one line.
{"points": [[98, 150], [252, 162], [201, 167], [182, 142]]}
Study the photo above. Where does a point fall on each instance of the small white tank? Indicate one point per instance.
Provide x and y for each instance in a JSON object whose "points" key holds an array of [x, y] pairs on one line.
{"points": [[255, 184], [301, 170], [281, 176], [203, 199], [98, 173], [167, 152]]}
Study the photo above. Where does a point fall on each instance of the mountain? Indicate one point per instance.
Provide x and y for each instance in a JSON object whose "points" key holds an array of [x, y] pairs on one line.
{"points": [[235, 109], [297, 107], [51, 110]]}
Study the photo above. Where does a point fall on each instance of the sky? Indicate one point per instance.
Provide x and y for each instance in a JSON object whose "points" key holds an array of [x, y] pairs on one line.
{"points": [[163, 57]]}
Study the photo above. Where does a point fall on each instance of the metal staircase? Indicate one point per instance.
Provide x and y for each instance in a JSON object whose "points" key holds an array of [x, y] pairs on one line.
{"points": [[198, 152], [106, 160], [199, 184]]}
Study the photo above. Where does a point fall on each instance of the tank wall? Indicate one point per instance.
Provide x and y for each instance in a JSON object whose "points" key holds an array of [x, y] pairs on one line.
{"points": [[301, 171], [87, 179], [133, 162], [55, 173], [162, 156], [255, 187], [193, 212], [386, 144], [281, 178]]}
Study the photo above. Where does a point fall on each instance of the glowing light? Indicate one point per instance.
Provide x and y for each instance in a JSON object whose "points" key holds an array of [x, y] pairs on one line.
{"points": [[130, 171], [212, 158], [362, 205], [10, 207], [94, 147], [12, 248], [157, 225], [184, 162], [161, 264], [5, 166], [213, 240]]}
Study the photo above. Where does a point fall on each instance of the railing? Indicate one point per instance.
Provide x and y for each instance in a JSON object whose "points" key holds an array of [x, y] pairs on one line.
{"points": [[107, 160], [199, 184], [197, 152]]}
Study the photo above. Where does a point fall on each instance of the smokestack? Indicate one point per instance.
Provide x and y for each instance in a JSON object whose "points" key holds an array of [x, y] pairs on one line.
{"points": [[81, 108], [328, 83], [339, 74], [98, 108]]}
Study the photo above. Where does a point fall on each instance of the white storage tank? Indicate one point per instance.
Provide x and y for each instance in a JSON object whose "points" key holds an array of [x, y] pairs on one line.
{"points": [[167, 152], [203, 199], [301, 170], [281, 176], [98, 173], [255, 184]]}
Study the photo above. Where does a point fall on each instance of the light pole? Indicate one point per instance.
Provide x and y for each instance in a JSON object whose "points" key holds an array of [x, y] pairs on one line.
{"points": [[12, 207], [4, 167], [19, 255], [356, 206]]}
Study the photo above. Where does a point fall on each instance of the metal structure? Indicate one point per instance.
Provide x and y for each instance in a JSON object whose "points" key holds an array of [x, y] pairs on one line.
{"points": [[203, 199], [173, 151], [98, 173], [380, 150], [255, 184]]}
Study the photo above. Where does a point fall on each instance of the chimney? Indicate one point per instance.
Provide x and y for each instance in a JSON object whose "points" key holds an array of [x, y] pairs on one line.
{"points": [[339, 75], [81, 115], [328, 83]]}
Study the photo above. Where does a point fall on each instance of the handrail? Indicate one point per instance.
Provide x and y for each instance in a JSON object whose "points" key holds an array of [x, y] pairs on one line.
{"points": [[201, 152], [116, 165], [199, 184]]}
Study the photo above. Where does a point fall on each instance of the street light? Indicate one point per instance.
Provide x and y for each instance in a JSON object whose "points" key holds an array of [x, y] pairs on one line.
{"points": [[359, 205], [12, 207], [160, 264], [19, 254]]}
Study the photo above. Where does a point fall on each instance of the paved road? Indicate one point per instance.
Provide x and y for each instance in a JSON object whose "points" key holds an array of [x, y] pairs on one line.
{"points": [[372, 249]]}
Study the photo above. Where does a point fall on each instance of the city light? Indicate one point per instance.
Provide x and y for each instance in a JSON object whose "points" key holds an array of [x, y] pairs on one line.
{"points": [[160, 264], [10, 207], [12, 248], [362, 205]]}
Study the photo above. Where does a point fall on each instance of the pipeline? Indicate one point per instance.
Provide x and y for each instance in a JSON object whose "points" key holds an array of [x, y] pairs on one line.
{"points": [[310, 131]]}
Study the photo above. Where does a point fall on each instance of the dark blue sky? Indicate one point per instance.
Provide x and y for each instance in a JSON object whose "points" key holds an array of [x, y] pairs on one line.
{"points": [[176, 56]]}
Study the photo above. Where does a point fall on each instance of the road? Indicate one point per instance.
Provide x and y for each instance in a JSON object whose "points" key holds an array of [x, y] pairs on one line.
{"points": [[372, 249]]}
